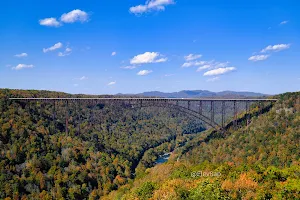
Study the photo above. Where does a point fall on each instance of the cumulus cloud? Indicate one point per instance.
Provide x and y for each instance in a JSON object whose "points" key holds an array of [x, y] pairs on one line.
{"points": [[160, 60], [50, 22], [205, 64], [138, 9], [277, 47], [213, 79], [194, 63], [129, 67], [151, 5], [284, 22], [70, 17], [219, 71], [74, 16], [53, 48], [144, 72], [112, 83], [192, 57], [113, 53], [22, 66], [148, 57], [21, 55], [259, 57], [83, 78], [67, 52], [204, 67]]}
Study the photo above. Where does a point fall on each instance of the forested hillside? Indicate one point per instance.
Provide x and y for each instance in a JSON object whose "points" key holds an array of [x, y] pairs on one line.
{"points": [[105, 148], [109, 152], [261, 161]]}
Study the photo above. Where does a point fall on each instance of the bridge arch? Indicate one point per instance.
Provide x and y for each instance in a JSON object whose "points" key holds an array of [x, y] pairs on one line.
{"points": [[187, 111]]}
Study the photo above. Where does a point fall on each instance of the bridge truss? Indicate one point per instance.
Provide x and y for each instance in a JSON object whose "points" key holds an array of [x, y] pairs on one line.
{"points": [[215, 113]]}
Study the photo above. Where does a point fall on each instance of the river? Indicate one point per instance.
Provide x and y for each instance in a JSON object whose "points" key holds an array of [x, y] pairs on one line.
{"points": [[163, 158]]}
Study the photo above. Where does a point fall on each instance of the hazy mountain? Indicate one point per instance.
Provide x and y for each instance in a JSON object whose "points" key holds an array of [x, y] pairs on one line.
{"points": [[199, 94]]}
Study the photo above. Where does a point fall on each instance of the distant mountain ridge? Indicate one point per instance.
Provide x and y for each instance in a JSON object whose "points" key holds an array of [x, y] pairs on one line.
{"points": [[199, 94]]}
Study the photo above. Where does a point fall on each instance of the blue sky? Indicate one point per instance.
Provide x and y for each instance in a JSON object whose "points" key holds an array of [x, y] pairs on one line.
{"points": [[131, 46]]}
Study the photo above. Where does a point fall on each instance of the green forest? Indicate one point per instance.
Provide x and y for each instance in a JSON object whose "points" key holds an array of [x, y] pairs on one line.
{"points": [[109, 152]]}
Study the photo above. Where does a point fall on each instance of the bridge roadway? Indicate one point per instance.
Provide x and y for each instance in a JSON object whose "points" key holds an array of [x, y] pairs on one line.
{"points": [[146, 99]]}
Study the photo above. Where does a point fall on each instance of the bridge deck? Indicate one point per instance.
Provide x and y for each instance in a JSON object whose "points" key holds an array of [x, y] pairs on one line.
{"points": [[146, 99]]}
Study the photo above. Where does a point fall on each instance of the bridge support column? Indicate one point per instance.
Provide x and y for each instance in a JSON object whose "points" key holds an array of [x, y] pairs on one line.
{"points": [[79, 118], [200, 107], [247, 113], [53, 118], [91, 113], [212, 111], [223, 114], [67, 117], [235, 115]]}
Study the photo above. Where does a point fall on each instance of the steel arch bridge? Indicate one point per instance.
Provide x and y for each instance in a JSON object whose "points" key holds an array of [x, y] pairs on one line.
{"points": [[213, 112]]}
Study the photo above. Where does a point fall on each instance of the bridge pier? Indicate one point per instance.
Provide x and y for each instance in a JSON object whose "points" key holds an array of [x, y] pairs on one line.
{"points": [[235, 115], [223, 114], [212, 110], [247, 113], [67, 117], [79, 117], [53, 118], [200, 107]]}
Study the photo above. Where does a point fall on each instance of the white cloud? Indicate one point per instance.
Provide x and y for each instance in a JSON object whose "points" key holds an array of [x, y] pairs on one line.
{"points": [[113, 53], [192, 57], [138, 9], [144, 72], [220, 64], [277, 47], [67, 52], [74, 16], [112, 83], [129, 67], [22, 66], [219, 71], [50, 22], [284, 22], [205, 64], [160, 60], [83, 78], [258, 57], [54, 47], [76, 85], [213, 79], [194, 63], [148, 57], [151, 5], [204, 67], [21, 55]]}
